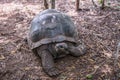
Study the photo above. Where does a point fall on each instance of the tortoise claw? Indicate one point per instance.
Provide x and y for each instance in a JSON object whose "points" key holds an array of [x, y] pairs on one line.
{"points": [[52, 72]]}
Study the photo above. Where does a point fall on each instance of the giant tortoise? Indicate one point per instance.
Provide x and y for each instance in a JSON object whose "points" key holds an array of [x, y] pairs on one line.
{"points": [[53, 35]]}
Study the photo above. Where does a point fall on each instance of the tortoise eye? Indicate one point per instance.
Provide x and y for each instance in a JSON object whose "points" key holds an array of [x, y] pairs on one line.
{"points": [[60, 46]]}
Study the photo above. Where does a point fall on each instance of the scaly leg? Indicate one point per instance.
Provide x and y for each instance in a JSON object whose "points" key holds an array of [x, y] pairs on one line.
{"points": [[77, 51], [48, 63]]}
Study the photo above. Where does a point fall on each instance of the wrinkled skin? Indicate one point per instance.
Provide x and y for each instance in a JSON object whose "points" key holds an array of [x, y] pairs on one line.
{"points": [[50, 52]]}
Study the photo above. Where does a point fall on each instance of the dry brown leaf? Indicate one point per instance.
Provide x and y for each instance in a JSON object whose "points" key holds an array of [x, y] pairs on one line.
{"points": [[2, 57], [27, 68], [13, 52]]}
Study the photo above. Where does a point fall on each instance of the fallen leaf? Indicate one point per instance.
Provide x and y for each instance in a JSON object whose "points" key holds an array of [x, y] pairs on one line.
{"points": [[13, 52], [27, 68], [89, 76], [2, 57]]}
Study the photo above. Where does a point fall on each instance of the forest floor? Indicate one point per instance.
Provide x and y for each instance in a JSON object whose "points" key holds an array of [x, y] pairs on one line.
{"points": [[98, 29]]}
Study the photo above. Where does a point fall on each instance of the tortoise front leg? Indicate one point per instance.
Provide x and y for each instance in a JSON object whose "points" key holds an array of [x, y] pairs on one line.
{"points": [[77, 51], [48, 63]]}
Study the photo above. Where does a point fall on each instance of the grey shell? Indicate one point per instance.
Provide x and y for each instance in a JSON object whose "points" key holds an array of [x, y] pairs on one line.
{"points": [[51, 26]]}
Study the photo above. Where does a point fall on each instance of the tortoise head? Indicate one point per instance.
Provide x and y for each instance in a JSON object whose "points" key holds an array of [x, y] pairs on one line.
{"points": [[62, 47]]}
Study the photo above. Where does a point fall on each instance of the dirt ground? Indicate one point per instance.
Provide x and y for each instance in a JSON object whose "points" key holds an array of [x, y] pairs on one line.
{"points": [[98, 29]]}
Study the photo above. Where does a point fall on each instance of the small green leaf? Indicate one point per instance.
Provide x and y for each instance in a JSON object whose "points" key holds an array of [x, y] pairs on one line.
{"points": [[89, 76], [100, 1]]}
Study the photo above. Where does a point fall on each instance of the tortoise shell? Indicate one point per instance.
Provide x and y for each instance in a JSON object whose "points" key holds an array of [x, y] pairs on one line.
{"points": [[51, 26]]}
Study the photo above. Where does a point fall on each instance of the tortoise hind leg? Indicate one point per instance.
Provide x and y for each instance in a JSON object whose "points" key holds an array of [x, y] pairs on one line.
{"points": [[48, 63]]}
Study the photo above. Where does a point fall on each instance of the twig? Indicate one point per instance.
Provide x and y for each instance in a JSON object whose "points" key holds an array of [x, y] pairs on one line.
{"points": [[98, 67], [52, 2], [117, 52], [94, 3], [116, 61], [100, 42], [45, 4], [103, 4]]}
